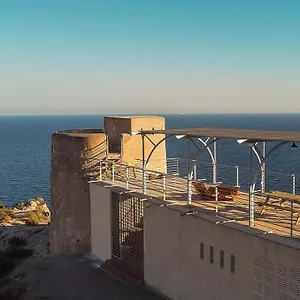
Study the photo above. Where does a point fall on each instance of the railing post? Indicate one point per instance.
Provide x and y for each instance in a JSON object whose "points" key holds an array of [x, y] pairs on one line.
{"points": [[189, 190], [251, 191], [215, 161], [292, 209], [113, 173], [237, 175], [216, 199], [177, 165], [164, 188], [251, 210], [294, 183], [195, 170], [127, 177], [144, 162], [263, 170], [144, 181], [100, 177]]}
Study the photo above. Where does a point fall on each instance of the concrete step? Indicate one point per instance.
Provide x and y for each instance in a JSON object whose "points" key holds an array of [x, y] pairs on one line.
{"points": [[117, 269]]}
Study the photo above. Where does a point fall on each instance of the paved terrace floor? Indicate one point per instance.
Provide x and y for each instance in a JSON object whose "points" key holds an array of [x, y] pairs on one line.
{"points": [[273, 220]]}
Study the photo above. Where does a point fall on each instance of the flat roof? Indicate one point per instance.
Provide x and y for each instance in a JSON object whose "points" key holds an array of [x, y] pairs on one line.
{"points": [[257, 135]]}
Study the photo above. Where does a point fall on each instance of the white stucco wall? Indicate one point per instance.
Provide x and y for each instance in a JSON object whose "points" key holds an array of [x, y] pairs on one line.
{"points": [[174, 268], [100, 198]]}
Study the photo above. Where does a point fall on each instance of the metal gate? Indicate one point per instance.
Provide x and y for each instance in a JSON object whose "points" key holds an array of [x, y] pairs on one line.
{"points": [[128, 232]]}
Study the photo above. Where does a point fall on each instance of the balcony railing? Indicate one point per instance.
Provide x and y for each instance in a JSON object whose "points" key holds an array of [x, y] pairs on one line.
{"points": [[176, 186]]}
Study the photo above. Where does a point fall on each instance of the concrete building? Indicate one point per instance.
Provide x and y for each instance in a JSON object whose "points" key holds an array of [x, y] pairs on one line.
{"points": [[151, 225]]}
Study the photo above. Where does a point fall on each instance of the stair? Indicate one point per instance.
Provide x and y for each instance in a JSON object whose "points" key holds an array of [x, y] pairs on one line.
{"points": [[116, 268]]}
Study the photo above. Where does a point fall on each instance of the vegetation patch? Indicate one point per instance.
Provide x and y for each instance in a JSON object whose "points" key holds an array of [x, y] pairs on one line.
{"points": [[6, 214], [36, 217], [38, 212]]}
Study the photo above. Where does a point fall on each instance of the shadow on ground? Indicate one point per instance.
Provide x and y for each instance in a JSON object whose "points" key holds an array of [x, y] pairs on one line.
{"points": [[66, 278]]}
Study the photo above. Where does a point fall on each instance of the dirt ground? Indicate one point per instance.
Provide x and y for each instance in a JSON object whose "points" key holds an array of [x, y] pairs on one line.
{"points": [[66, 278], [28, 271]]}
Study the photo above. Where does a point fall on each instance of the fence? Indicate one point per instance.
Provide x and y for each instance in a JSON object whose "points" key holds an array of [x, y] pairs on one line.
{"points": [[227, 174]]}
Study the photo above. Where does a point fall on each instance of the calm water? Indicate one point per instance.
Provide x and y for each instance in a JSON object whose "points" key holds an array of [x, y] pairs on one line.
{"points": [[25, 148]]}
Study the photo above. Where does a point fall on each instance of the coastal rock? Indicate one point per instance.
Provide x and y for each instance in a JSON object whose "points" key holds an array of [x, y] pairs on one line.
{"points": [[20, 243], [31, 212], [6, 214], [34, 204], [35, 211]]}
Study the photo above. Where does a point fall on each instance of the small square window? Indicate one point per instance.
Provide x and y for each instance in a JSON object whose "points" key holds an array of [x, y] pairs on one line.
{"points": [[222, 259], [201, 251], [232, 263], [211, 255]]}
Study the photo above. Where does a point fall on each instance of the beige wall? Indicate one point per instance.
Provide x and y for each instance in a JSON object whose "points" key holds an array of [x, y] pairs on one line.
{"points": [[100, 200], [174, 268], [132, 145], [132, 149], [121, 141]]}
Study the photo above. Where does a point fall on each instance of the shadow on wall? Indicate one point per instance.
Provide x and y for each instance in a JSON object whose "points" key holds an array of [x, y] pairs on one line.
{"points": [[91, 163]]}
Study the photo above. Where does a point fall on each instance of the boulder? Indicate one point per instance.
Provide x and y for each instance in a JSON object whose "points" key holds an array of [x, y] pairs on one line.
{"points": [[37, 211]]}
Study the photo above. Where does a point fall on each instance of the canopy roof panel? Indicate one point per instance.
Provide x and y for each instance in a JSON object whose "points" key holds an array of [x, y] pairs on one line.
{"points": [[258, 135]]}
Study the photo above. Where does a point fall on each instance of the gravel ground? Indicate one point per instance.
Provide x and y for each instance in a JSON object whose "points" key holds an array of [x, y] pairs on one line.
{"points": [[64, 278], [28, 271]]}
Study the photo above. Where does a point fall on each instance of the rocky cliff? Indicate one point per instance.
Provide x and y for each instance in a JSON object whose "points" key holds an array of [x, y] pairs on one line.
{"points": [[24, 235]]}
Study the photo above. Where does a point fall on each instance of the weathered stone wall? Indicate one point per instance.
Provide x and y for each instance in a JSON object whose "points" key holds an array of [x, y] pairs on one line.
{"points": [[75, 160]]}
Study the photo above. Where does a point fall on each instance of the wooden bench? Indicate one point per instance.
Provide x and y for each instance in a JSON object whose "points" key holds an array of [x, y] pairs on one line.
{"points": [[278, 200], [224, 192]]}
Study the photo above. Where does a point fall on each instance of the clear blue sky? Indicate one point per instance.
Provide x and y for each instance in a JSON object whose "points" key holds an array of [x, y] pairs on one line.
{"points": [[149, 56]]}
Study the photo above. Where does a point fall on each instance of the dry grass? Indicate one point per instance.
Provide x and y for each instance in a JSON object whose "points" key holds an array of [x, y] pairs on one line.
{"points": [[6, 214], [36, 217]]}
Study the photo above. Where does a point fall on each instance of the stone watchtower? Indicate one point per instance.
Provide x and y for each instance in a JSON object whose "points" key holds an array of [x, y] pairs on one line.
{"points": [[75, 160]]}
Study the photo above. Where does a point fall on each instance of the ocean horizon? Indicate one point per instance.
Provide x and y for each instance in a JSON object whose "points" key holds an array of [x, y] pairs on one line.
{"points": [[25, 150]]}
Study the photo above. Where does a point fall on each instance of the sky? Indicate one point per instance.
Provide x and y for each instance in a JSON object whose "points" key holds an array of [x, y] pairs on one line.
{"points": [[149, 56]]}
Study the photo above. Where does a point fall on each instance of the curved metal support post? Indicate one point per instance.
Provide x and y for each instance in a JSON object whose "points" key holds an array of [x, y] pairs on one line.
{"points": [[154, 148], [257, 153], [206, 145], [213, 156], [260, 157], [265, 158], [253, 182]]}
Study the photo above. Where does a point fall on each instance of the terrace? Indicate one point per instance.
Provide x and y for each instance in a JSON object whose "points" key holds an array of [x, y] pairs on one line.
{"points": [[176, 186]]}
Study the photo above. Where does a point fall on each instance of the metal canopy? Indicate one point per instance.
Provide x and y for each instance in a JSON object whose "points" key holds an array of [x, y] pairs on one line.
{"points": [[257, 135]]}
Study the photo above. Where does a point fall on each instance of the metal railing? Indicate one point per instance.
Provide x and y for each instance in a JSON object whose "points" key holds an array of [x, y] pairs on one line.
{"points": [[150, 182], [173, 186], [183, 167]]}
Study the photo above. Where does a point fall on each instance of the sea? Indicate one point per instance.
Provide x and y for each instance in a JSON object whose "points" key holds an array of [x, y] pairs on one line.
{"points": [[25, 150]]}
